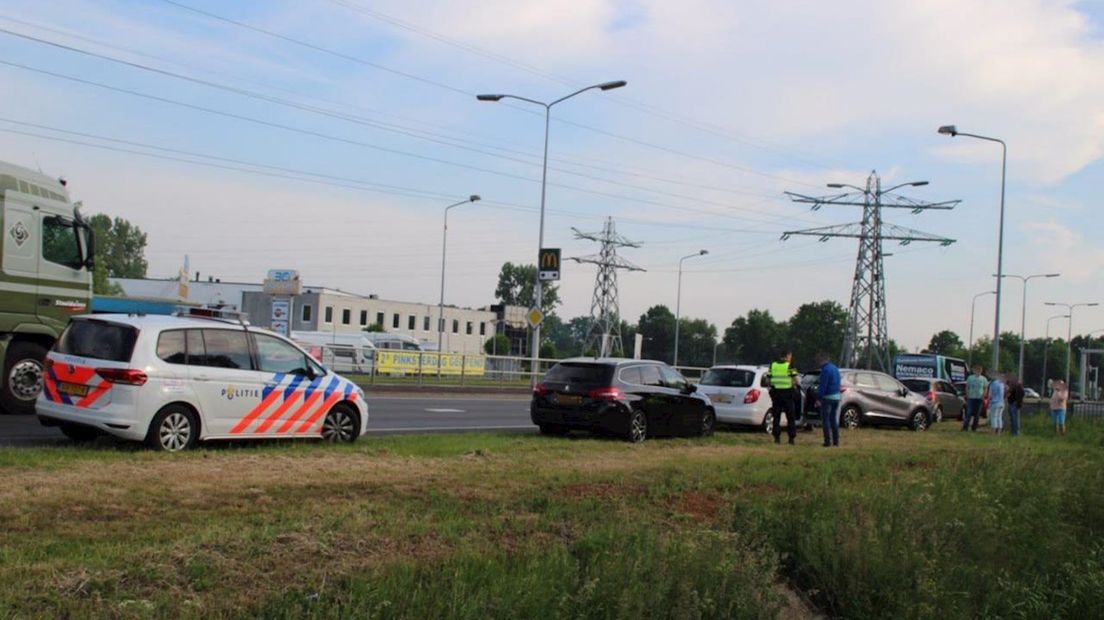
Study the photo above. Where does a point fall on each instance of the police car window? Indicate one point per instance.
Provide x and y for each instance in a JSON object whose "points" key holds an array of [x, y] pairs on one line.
{"points": [[171, 347], [196, 351], [275, 355], [226, 348]]}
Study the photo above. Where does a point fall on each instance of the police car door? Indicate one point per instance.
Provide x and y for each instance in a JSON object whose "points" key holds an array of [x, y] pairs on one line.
{"points": [[231, 392]]}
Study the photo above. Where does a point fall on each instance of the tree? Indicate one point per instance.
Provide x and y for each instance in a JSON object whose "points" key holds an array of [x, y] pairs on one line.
{"points": [[948, 343], [374, 327], [516, 287], [657, 326], [754, 339], [498, 344], [120, 252], [816, 327], [696, 340]]}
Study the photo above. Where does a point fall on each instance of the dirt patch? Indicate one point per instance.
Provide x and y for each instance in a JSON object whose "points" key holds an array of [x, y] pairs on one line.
{"points": [[699, 505], [601, 490]]}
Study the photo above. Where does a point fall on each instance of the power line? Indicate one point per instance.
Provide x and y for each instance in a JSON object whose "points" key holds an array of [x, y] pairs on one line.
{"points": [[356, 59]]}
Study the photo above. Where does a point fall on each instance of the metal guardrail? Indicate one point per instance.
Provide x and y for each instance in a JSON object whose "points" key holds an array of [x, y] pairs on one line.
{"points": [[424, 368]]}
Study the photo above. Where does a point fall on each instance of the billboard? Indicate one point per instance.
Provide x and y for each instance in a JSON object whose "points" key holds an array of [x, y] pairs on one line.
{"points": [[397, 362]]}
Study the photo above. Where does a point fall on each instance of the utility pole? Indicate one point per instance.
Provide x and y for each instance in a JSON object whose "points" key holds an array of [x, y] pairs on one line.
{"points": [[604, 330], [866, 340]]}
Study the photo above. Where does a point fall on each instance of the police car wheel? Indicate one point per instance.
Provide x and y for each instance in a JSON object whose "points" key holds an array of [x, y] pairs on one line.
{"points": [[173, 429], [340, 425]]}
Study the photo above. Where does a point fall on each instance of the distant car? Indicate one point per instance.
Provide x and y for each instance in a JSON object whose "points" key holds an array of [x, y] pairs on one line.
{"points": [[738, 396], [943, 398], [1031, 393], [635, 399], [870, 398], [174, 381]]}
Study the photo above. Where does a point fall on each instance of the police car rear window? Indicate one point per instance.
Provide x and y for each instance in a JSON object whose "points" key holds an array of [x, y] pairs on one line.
{"points": [[98, 340]]}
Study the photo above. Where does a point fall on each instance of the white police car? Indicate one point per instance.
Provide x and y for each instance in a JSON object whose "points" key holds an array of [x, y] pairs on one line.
{"points": [[172, 381]]}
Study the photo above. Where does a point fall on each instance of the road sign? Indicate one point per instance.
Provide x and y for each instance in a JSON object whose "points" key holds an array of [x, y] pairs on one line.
{"points": [[535, 317], [282, 282], [548, 264]]}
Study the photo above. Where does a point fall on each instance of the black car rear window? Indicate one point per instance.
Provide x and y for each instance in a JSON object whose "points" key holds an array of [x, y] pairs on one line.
{"points": [[98, 340], [729, 377], [580, 373]]}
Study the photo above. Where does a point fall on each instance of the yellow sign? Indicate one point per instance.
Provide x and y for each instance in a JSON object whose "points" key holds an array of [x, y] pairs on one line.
{"points": [[415, 362], [534, 316]]}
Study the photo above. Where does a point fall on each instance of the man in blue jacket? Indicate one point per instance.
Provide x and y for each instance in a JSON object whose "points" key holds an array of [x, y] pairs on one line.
{"points": [[828, 393]]}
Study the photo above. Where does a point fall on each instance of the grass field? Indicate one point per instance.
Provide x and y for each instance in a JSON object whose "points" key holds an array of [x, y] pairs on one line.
{"points": [[895, 524]]}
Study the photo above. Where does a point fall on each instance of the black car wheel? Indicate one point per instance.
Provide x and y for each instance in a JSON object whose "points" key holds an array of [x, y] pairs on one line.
{"points": [[918, 421], [638, 426], [850, 417], [708, 423]]}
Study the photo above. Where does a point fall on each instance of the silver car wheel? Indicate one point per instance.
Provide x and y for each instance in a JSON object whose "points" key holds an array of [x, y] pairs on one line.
{"points": [[919, 421], [175, 432], [638, 427], [339, 426], [850, 418], [25, 379]]}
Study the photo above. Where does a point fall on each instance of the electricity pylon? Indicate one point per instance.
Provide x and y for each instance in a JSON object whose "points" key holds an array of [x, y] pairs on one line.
{"points": [[866, 340], [604, 331]]}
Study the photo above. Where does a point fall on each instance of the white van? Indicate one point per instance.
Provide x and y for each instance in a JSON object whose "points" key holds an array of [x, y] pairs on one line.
{"points": [[352, 353], [389, 340]]}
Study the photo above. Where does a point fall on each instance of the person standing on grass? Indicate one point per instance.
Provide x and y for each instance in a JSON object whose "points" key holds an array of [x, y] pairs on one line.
{"points": [[1059, 396], [781, 378], [997, 392], [828, 393], [975, 392], [1015, 403]]}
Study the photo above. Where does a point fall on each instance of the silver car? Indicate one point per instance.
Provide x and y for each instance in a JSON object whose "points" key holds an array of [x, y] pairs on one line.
{"points": [[871, 398]]}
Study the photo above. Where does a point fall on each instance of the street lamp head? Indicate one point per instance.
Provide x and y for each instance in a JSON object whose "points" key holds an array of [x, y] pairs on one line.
{"points": [[703, 252], [612, 85], [836, 185], [1051, 275], [474, 197], [949, 130], [918, 183], [489, 97]]}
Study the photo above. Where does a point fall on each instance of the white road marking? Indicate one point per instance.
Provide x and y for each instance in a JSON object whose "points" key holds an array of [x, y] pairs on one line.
{"points": [[446, 410]]}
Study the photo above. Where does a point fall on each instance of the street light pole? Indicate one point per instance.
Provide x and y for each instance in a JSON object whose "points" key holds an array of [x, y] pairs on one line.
{"points": [[441, 305], [970, 345], [539, 293], [1046, 347], [1069, 335], [678, 301], [1023, 310], [952, 131]]}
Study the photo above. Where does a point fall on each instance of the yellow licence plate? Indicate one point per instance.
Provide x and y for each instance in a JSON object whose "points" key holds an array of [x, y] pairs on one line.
{"points": [[73, 389], [568, 399]]}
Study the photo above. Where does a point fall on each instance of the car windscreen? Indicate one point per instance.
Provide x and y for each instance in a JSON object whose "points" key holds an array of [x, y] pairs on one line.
{"points": [[729, 377], [580, 373], [98, 340], [917, 385]]}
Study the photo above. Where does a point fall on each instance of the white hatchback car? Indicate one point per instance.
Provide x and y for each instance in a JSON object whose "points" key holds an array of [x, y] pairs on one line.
{"points": [[738, 397], [172, 381]]}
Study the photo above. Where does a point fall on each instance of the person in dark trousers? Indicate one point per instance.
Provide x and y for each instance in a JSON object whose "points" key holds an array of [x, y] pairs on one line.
{"points": [[975, 397], [828, 393], [1015, 400], [781, 378]]}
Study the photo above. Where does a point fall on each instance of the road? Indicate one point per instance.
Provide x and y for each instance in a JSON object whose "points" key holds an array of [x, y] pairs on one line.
{"points": [[386, 414]]}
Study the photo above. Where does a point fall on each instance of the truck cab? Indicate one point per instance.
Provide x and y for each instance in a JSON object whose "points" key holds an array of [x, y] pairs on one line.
{"points": [[46, 261]]}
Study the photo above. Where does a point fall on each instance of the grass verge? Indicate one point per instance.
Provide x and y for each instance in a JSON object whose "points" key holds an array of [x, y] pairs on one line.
{"points": [[894, 524]]}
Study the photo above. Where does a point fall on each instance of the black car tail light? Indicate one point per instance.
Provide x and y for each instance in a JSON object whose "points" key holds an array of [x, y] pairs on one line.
{"points": [[607, 393]]}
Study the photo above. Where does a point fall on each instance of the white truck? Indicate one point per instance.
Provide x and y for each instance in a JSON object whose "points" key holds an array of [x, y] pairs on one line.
{"points": [[46, 267]]}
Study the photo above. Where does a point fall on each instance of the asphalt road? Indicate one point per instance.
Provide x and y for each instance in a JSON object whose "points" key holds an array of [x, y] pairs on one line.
{"points": [[389, 414]]}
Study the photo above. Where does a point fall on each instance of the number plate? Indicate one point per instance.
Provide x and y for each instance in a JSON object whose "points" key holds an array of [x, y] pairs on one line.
{"points": [[73, 389], [568, 399]]}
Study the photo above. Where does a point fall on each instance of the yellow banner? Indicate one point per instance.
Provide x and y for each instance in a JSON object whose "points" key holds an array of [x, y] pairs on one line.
{"points": [[413, 362]]}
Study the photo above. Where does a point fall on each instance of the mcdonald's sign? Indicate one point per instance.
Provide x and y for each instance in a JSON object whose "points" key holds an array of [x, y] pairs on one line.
{"points": [[548, 264]]}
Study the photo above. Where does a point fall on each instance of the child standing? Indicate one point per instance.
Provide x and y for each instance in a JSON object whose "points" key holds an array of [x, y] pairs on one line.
{"points": [[1059, 396], [996, 404]]}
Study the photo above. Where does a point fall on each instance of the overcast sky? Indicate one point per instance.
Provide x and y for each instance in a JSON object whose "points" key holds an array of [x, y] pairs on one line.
{"points": [[728, 104]]}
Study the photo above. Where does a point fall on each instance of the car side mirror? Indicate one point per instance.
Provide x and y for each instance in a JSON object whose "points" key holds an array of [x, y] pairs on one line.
{"points": [[903, 392], [690, 388]]}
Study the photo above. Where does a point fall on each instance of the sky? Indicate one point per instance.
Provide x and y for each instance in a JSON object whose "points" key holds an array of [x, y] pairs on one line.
{"points": [[329, 137]]}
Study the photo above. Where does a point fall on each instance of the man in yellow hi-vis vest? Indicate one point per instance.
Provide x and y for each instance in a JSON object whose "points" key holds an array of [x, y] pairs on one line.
{"points": [[782, 379]]}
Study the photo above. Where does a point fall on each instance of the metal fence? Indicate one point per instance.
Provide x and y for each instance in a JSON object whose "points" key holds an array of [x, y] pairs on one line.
{"points": [[1090, 411], [426, 368]]}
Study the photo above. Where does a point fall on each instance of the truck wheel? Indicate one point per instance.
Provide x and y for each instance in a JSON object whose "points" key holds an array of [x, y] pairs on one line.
{"points": [[23, 369]]}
